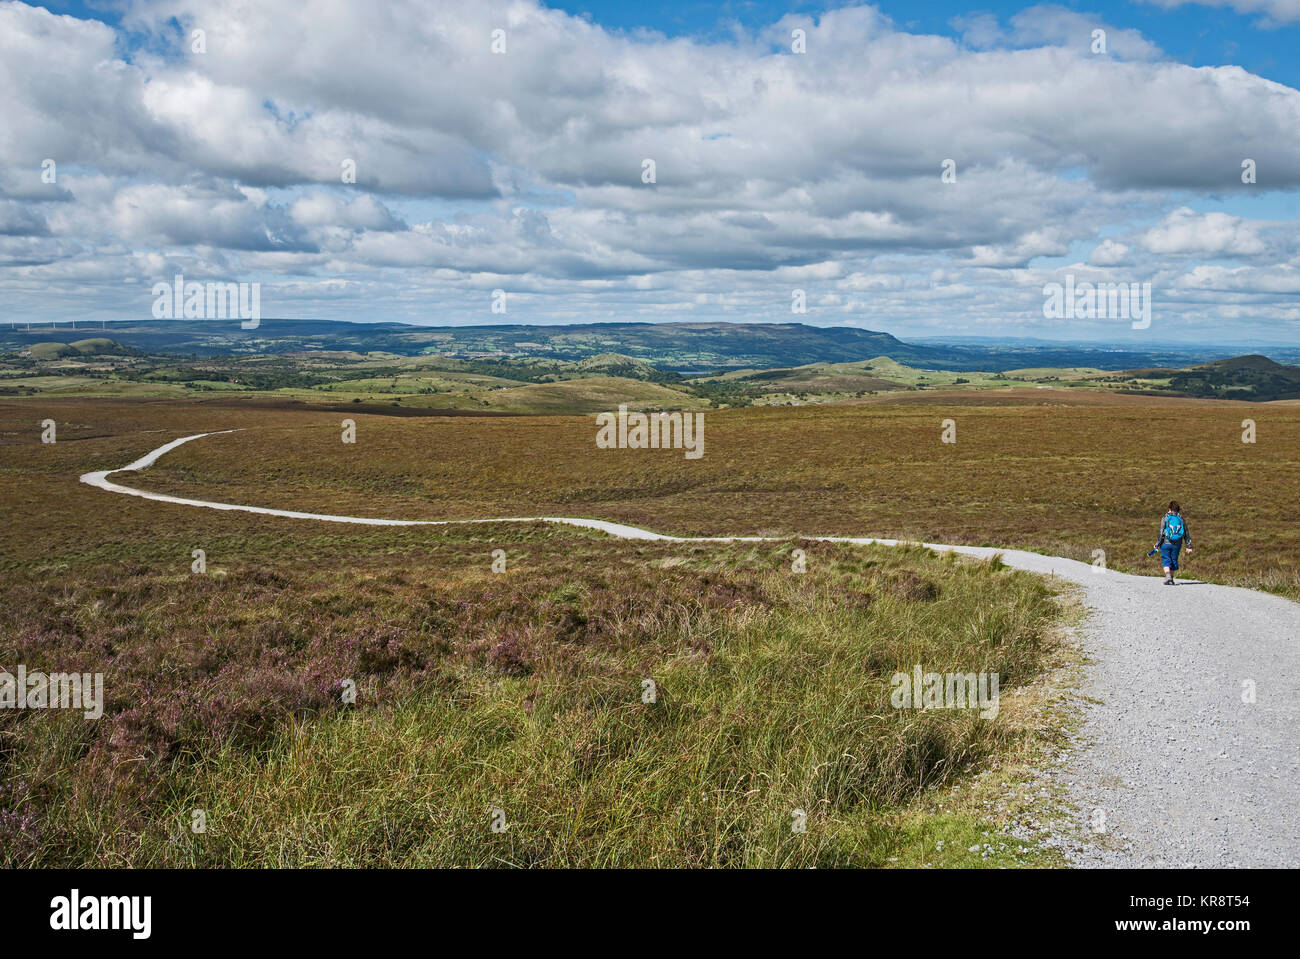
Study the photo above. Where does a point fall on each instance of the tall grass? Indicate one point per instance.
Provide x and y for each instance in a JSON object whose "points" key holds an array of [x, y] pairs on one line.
{"points": [[519, 692]]}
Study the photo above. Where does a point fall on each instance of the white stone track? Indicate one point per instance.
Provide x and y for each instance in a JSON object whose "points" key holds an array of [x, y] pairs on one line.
{"points": [[1185, 772]]}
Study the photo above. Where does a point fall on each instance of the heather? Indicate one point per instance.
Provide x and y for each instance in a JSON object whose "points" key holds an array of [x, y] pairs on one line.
{"points": [[521, 691]]}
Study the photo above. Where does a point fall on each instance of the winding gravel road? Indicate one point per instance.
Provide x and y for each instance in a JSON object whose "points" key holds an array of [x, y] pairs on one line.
{"points": [[1173, 759]]}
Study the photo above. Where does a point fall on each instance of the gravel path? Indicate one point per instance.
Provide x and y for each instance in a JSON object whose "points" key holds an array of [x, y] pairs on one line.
{"points": [[1181, 771], [1186, 771]]}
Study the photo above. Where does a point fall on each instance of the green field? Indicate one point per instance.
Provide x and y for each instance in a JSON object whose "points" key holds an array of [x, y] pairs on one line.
{"points": [[547, 385]]}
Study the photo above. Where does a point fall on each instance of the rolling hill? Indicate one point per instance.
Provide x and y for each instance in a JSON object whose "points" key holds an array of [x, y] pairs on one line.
{"points": [[1252, 377], [687, 348]]}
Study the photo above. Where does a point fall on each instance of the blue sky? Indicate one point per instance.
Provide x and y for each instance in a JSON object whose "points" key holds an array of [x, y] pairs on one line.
{"points": [[1193, 34], [1196, 35], [777, 170]]}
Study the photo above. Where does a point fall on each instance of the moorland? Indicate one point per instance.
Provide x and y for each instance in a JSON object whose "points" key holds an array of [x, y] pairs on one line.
{"points": [[499, 672]]}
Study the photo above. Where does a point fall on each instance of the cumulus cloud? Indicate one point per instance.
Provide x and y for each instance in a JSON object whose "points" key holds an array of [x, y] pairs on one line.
{"points": [[1109, 253], [524, 169], [362, 213], [1185, 232], [1051, 24]]}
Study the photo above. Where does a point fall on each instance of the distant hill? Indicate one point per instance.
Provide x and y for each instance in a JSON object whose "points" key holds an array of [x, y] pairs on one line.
{"points": [[616, 364], [1250, 364], [862, 376], [657, 367], [695, 347], [50, 350], [1251, 377], [97, 346], [102, 346], [616, 349], [881, 374]]}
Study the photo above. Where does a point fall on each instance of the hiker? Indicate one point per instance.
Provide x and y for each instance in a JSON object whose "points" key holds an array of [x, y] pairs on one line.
{"points": [[1174, 536]]}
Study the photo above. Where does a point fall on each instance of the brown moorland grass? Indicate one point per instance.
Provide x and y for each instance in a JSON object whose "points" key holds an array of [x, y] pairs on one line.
{"points": [[1066, 479], [475, 690], [521, 691]]}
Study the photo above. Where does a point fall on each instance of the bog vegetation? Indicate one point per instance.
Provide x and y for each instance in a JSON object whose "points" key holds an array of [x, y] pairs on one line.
{"points": [[518, 697]]}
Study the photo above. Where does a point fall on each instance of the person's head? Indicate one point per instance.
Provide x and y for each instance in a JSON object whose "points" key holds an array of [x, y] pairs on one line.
{"points": [[1174, 507]]}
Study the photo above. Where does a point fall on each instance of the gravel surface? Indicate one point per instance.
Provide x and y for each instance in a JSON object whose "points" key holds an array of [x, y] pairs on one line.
{"points": [[1172, 762], [1183, 772]]}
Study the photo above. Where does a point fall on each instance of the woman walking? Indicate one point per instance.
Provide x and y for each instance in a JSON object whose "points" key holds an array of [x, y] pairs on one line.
{"points": [[1173, 537]]}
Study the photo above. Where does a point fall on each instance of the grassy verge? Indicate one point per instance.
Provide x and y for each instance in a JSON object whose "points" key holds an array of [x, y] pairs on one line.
{"points": [[521, 696]]}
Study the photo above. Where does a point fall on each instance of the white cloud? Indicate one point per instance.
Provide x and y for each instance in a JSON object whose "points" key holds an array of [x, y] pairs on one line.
{"points": [[1109, 253], [1185, 232], [362, 213], [1051, 24], [524, 169]]}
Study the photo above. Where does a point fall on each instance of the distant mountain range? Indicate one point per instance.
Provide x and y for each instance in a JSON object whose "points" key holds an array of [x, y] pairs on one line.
{"points": [[678, 347], [492, 370]]}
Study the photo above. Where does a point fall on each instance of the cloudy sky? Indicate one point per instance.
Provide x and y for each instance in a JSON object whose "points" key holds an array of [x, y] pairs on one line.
{"points": [[223, 155]]}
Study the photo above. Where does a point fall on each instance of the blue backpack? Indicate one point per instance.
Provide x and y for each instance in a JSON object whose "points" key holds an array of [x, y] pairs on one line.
{"points": [[1174, 528]]}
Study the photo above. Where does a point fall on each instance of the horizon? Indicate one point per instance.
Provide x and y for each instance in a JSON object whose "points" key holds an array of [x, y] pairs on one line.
{"points": [[1239, 348]]}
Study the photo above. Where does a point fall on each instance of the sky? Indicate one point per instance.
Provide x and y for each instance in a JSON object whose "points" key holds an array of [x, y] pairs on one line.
{"points": [[922, 169]]}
